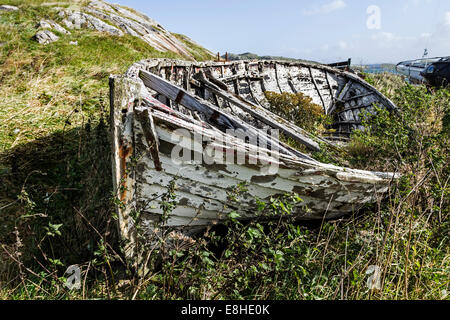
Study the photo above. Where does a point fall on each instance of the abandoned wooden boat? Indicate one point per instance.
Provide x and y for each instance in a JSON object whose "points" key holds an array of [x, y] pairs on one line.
{"points": [[170, 125], [343, 95]]}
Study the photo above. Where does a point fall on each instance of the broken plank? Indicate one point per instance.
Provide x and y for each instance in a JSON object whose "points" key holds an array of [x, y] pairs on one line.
{"points": [[213, 114], [317, 89], [265, 116], [182, 97], [358, 96], [148, 128]]}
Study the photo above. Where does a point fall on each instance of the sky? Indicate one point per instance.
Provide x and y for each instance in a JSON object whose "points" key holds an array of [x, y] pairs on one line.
{"points": [[368, 31]]}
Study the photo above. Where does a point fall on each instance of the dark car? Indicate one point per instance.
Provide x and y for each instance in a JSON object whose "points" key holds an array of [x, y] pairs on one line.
{"points": [[438, 73]]}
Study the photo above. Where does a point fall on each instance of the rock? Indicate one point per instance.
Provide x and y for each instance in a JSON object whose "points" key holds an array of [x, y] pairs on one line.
{"points": [[131, 15], [50, 24], [118, 20], [116, 9], [45, 37], [129, 27], [5, 7], [44, 24], [138, 25], [101, 6], [78, 20], [74, 43]]}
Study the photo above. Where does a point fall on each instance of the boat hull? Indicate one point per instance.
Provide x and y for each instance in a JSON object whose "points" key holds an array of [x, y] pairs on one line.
{"points": [[342, 95], [162, 151]]}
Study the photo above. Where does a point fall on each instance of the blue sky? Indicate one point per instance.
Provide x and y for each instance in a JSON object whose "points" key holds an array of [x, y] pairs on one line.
{"points": [[320, 30]]}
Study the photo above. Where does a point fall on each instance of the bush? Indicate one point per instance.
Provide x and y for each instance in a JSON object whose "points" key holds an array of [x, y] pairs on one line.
{"points": [[407, 136], [299, 109]]}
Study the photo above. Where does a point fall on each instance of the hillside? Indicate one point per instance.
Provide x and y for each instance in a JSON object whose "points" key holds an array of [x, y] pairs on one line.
{"points": [[45, 84], [54, 135]]}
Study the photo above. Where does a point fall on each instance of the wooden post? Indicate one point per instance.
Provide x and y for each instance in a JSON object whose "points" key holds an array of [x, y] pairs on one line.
{"points": [[123, 93]]}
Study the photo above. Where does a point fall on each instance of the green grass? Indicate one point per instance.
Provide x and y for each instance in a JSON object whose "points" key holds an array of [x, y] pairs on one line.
{"points": [[46, 85], [197, 51], [54, 140]]}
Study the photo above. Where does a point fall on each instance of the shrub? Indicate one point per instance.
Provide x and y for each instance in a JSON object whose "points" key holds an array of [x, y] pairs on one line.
{"points": [[299, 109]]}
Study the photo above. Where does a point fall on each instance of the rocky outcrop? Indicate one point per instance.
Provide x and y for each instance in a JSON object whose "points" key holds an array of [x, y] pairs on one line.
{"points": [[117, 20], [50, 24], [5, 7], [45, 37], [78, 20]]}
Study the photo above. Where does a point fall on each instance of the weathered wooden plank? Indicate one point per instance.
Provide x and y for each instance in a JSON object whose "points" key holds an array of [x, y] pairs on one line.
{"points": [[123, 93], [290, 168], [210, 186], [205, 198], [265, 116], [347, 122], [180, 96], [219, 136], [149, 130], [333, 99], [318, 90], [156, 104], [357, 107], [344, 90], [368, 93], [214, 115]]}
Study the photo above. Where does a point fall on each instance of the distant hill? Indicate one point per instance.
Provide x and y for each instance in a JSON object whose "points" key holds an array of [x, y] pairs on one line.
{"points": [[253, 56], [376, 68]]}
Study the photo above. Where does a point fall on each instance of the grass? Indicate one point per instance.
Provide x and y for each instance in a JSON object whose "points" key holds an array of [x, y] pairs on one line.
{"points": [[48, 88], [197, 51], [56, 201], [61, 213]]}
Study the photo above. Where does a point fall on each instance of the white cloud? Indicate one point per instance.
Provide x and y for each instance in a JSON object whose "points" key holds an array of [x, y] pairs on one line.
{"points": [[343, 45], [410, 4], [437, 41], [389, 45], [340, 46], [325, 8], [447, 19], [385, 37], [325, 47]]}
